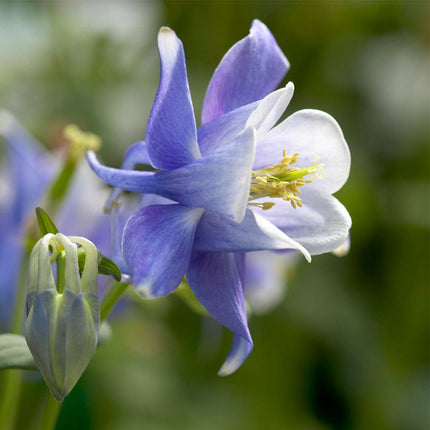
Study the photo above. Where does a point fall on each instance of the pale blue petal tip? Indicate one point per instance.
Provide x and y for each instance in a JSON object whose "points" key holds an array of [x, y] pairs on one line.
{"points": [[238, 354]]}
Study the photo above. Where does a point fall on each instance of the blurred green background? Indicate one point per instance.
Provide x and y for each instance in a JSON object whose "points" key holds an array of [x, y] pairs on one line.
{"points": [[348, 346]]}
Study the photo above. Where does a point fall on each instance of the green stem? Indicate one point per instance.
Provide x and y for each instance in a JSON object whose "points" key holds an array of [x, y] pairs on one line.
{"points": [[60, 186], [9, 396], [50, 414], [111, 297]]}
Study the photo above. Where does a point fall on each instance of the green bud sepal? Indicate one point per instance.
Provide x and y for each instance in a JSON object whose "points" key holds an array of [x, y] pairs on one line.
{"points": [[63, 317]]}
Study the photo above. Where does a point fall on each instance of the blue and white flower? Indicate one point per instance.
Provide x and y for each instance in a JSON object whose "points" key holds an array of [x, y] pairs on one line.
{"points": [[239, 183]]}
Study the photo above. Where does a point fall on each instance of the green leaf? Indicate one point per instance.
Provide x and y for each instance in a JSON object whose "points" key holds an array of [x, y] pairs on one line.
{"points": [[46, 225], [14, 353], [108, 267]]}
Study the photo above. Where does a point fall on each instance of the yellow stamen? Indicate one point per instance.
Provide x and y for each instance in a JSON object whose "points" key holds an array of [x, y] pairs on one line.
{"points": [[282, 181]]}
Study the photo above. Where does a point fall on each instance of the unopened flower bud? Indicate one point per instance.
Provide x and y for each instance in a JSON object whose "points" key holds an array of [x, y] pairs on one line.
{"points": [[62, 314]]}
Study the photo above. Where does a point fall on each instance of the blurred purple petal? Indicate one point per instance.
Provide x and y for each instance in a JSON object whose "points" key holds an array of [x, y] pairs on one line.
{"points": [[25, 175]]}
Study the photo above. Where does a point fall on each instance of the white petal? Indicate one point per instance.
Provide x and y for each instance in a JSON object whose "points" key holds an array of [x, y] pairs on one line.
{"points": [[321, 225], [311, 133], [270, 109]]}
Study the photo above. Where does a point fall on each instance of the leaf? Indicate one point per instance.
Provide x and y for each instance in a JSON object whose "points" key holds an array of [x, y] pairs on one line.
{"points": [[105, 265], [46, 225], [14, 353], [108, 267]]}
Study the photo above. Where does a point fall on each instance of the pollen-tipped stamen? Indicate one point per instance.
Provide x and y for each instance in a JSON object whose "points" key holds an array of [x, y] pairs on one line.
{"points": [[282, 181]]}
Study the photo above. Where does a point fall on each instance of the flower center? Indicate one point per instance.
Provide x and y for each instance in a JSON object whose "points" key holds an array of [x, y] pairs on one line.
{"points": [[282, 181]]}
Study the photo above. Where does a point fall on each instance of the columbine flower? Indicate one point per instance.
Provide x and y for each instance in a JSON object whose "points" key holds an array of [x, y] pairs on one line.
{"points": [[242, 183], [26, 173]]}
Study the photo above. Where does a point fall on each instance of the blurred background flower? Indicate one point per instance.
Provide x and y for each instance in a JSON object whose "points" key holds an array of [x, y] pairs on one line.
{"points": [[347, 346]]}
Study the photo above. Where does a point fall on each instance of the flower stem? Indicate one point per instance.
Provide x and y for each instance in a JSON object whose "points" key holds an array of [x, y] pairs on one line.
{"points": [[50, 414], [10, 398], [60, 186], [111, 297], [9, 395]]}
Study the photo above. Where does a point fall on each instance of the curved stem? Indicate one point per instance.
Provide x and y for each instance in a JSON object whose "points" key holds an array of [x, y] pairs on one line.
{"points": [[111, 297]]}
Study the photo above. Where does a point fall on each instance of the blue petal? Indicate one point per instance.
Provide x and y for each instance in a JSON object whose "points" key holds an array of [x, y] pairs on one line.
{"points": [[157, 245], [262, 115], [255, 233], [136, 154], [171, 134], [215, 280], [219, 182], [249, 71], [130, 180]]}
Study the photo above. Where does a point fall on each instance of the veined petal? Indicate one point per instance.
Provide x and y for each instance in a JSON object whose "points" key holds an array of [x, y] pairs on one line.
{"points": [[254, 233], [156, 245], [250, 70], [215, 280], [219, 182], [311, 133], [262, 115], [321, 225], [171, 134]]}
